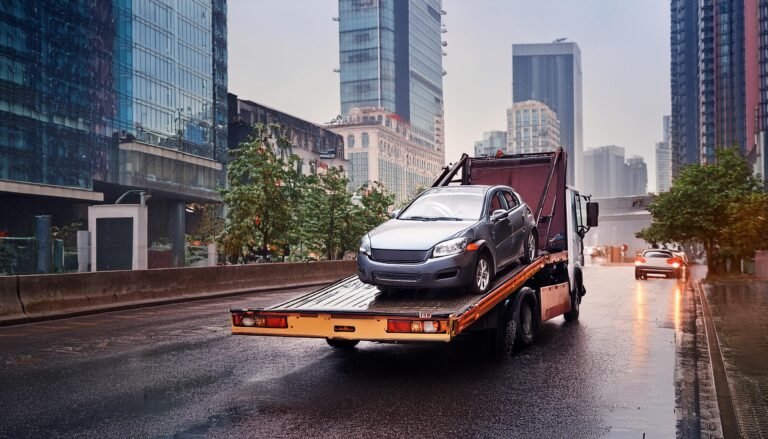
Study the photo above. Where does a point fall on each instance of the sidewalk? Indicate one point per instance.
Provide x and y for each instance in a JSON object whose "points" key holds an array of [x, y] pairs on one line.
{"points": [[739, 310]]}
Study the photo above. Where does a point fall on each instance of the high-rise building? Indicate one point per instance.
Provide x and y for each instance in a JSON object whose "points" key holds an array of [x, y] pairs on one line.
{"points": [[390, 55], [492, 142], [606, 173], [551, 73], [532, 127], [379, 148], [664, 159], [98, 98], [719, 68], [635, 176]]}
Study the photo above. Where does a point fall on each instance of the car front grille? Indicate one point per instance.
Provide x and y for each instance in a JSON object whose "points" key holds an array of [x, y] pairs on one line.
{"points": [[399, 256]]}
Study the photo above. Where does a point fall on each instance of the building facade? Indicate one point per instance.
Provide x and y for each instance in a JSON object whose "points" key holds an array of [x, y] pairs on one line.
{"points": [[493, 141], [98, 98], [390, 55], [607, 174], [551, 73], [532, 127], [719, 68], [664, 159], [316, 146], [379, 148]]}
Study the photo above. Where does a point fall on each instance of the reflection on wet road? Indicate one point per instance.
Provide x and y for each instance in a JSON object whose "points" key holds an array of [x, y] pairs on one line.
{"points": [[175, 371]]}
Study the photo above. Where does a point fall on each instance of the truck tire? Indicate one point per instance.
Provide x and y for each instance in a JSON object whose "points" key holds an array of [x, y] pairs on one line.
{"points": [[342, 344], [573, 314], [503, 337], [526, 325], [531, 248]]}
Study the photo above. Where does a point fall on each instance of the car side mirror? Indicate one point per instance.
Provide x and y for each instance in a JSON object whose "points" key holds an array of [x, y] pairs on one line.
{"points": [[498, 214], [394, 213], [593, 211]]}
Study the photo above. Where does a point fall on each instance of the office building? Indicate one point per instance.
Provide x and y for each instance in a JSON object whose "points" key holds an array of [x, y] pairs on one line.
{"points": [[719, 78], [532, 127], [635, 176], [551, 74], [317, 147], [390, 55], [664, 159], [378, 147], [608, 175], [493, 142], [98, 98]]}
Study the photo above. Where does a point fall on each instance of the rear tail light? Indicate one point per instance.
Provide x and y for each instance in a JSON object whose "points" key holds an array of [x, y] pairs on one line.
{"points": [[251, 319], [416, 326], [674, 262], [639, 260]]}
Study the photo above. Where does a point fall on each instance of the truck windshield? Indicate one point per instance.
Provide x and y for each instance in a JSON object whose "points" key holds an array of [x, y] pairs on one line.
{"points": [[445, 206]]}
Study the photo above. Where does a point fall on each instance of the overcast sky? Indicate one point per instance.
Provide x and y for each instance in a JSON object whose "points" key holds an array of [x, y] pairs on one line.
{"points": [[282, 54]]}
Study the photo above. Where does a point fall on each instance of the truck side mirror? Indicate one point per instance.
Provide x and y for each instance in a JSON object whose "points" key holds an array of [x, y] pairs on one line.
{"points": [[593, 211]]}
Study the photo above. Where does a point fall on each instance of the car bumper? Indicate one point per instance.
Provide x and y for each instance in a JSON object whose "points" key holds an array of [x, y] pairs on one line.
{"points": [[446, 272], [658, 270]]}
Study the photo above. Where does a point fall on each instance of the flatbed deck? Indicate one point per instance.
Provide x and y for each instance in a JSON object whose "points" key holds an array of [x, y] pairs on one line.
{"points": [[362, 311]]}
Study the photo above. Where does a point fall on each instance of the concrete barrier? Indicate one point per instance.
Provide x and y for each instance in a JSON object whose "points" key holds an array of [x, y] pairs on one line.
{"points": [[761, 264], [44, 296], [10, 306]]}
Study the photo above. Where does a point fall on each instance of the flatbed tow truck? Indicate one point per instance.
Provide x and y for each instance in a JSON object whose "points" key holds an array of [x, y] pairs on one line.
{"points": [[520, 298]]}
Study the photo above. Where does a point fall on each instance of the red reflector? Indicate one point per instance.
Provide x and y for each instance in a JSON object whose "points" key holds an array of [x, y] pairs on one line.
{"points": [[237, 318], [276, 322], [416, 326]]}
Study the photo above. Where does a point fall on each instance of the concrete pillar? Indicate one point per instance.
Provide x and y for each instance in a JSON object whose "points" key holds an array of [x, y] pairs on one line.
{"points": [[43, 235], [83, 250], [176, 229], [212, 255]]}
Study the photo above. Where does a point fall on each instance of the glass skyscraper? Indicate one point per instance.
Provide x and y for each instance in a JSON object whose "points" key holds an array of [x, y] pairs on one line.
{"points": [[551, 73], [101, 97], [390, 55]]}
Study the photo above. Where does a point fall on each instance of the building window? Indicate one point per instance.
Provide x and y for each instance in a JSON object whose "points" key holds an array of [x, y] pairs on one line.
{"points": [[351, 141], [365, 140]]}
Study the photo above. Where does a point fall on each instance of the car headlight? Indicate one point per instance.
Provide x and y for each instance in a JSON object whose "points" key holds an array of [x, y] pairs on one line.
{"points": [[365, 245], [450, 247]]}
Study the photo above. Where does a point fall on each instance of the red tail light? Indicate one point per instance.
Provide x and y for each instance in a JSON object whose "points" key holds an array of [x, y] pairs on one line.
{"points": [[675, 262], [639, 260], [416, 326], [250, 318]]}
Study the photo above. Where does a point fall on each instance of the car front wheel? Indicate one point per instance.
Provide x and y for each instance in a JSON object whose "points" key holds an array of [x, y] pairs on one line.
{"points": [[482, 275]]}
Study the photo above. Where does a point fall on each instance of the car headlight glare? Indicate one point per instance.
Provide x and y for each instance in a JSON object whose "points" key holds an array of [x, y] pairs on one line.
{"points": [[365, 245], [450, 247]]}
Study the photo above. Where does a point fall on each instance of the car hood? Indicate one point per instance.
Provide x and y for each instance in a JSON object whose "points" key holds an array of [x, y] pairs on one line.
{"points": [[398, 234]]}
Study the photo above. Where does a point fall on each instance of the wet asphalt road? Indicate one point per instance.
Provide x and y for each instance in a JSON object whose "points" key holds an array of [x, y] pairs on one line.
{"points": [[174, 371]]}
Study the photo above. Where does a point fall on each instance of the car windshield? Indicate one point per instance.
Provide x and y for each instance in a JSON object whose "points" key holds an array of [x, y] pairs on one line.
{"points": [[445, 206]]}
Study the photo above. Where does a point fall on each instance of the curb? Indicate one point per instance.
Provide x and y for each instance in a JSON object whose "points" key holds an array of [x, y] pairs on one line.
{"points": [[728, 420]]}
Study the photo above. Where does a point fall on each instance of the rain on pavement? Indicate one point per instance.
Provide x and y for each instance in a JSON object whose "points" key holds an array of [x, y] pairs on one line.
{"points": [[175, 371]]}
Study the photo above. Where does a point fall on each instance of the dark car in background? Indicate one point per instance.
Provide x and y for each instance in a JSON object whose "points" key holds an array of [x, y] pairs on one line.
{"points": [[452, 236]]}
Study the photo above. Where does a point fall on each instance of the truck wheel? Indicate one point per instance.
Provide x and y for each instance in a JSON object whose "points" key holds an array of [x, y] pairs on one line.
{"points": [[342, 344], [503, 337], [526, 325], [573, 314], [531, 247], [482, 274]]}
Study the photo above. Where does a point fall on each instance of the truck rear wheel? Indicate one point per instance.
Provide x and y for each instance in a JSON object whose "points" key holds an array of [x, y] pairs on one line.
{"points": [[342, 344], [526, 325]]}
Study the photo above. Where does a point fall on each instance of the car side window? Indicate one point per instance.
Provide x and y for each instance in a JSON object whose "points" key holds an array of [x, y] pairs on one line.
{"points": [[511, 200], [496, 203]]}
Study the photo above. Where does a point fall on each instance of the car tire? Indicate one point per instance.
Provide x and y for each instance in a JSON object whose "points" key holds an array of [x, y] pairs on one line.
{"points": [[637, 275], [482, 274], [531, 247], [342, 344]]}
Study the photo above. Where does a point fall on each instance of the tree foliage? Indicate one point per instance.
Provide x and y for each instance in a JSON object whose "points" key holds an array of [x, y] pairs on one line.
{"points": [[271, 204], [703, 206]]}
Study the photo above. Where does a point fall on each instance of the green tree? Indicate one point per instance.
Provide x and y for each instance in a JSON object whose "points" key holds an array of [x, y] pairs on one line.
{"points": [[259, 195], [748, 232], [375, 201], [697, 207], [336, 214]]}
